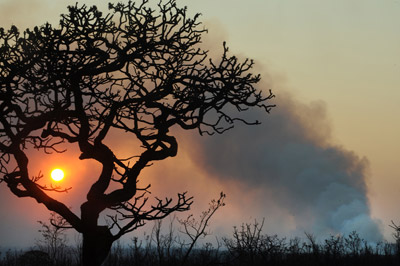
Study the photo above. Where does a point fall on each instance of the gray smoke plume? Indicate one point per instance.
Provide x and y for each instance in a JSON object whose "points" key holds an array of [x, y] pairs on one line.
{"points": [[290, 158]]}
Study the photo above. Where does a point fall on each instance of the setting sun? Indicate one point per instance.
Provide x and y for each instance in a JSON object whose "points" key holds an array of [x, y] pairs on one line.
{"points": [[57, 174]]}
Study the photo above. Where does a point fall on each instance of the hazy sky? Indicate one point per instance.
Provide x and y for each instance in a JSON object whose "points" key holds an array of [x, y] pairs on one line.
{"points": [[335, 68]]}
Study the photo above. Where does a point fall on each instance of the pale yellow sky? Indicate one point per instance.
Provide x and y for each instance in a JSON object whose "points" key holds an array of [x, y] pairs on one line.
{"points": [[343, 52]]}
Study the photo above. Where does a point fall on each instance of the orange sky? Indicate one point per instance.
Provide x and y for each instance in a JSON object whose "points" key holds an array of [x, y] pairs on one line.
{"points": [[334, 67]]}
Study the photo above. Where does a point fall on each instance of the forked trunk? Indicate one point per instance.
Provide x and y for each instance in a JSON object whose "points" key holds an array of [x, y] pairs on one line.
{"points": [[96, 246]]}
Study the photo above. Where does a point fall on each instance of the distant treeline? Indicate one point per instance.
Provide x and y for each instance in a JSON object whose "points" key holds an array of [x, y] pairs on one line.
{"points": [[248, 245]]}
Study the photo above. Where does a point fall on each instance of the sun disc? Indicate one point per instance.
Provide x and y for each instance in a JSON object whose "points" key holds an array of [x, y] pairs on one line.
{"points": [[57, 174]]}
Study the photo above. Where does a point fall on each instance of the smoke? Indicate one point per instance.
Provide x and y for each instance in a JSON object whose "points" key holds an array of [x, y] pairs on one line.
{"points": [[289, 165]]}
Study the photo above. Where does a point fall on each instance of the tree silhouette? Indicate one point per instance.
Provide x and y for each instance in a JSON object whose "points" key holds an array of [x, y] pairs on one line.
{"points": [[137, 70]]}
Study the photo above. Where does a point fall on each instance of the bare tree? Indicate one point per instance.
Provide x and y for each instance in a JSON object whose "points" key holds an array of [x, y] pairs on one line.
{"points": [[163, 242], [247, 242], [195, 229], [396, 236], [353, 243], [54, 239], [137, 70]]}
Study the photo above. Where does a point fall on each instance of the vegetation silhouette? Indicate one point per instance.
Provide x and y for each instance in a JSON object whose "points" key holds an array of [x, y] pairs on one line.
{"points": [[248, 245], [136, 70]]}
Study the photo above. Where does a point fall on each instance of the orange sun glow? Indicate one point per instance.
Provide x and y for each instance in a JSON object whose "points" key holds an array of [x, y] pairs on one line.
{"points": [[57, 174]]}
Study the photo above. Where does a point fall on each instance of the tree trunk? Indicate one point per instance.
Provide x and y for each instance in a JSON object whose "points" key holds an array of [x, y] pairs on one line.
{"points": [[96, 246]]}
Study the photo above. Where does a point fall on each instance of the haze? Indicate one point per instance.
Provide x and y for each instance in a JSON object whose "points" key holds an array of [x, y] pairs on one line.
{"points": [[328, 151]]}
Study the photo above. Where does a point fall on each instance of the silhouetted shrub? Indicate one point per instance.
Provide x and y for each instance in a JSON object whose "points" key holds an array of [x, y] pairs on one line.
{"points": [[248, 245], [34, 258]]}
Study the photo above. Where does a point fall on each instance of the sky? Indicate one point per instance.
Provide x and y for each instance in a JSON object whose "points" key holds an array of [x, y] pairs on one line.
{"points": [[326, 160]]}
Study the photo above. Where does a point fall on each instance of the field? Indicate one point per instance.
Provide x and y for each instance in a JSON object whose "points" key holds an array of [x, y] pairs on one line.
{"points": [[248, 245]]}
